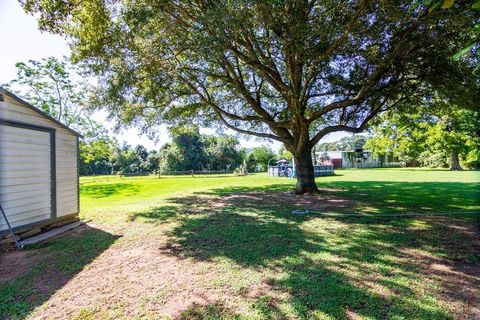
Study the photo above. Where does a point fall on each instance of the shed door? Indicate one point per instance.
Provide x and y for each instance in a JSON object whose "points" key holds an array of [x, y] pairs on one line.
{"points": [[25, 174]]}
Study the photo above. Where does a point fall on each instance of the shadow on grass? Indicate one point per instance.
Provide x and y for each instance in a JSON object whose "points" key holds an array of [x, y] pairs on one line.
{"points": [[330, 268], [46, 268], [386, 196], [108, 189]]}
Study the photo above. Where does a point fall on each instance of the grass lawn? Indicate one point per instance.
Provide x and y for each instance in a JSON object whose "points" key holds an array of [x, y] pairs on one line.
{"points": [[225, 247]]}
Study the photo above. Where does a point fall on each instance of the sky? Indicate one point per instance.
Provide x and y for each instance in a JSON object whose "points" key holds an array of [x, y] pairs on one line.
{"points": [[22, 41]]}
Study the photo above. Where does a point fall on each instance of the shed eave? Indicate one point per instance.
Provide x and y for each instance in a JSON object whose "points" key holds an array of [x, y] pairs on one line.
{"points": [[43, 114]]}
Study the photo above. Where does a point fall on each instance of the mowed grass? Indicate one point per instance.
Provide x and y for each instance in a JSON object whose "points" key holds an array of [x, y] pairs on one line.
{"points": [[381, 190], [226, 247]]}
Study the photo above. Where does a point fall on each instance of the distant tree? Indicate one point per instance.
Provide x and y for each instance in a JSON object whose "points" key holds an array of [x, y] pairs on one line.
{"points": [[141, 153], [106, 156], [438, 136], [152, 163], [455, 135], [259, 157], [125, 159], [292, 71], [96, 156], [55, 87], [283, 153], [190, 150], [344, 144], [222, 153], [399, 136], [327, 146], [189, 143], [171, 159]]}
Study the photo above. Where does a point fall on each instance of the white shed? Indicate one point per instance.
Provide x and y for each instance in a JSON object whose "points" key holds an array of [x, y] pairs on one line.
{"points": [[38, 166]]}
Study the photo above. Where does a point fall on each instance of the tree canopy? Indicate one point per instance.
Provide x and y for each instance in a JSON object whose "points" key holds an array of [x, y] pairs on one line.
{"points": [[344, 144], [292, 71], [191, 150], [434, 137], [259, 157], [56, 87]]}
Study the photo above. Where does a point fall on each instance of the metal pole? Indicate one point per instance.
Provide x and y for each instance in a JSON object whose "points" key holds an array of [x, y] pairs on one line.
{"points": [[10, 228]]}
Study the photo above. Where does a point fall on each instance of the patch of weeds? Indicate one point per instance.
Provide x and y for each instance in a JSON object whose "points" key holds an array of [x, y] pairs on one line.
{"points": [[87, 313], [216, 311], [17, 297], [264, 308], [156, 298], [64, 258]]}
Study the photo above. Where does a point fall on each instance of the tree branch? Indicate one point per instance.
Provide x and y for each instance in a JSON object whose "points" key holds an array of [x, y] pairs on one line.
{"points": [[342, 127], [258, 134]]}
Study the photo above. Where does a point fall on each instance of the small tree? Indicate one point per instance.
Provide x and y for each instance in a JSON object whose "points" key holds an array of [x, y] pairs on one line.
{"points": [[55, 87], [260, 156], [283, 153]]}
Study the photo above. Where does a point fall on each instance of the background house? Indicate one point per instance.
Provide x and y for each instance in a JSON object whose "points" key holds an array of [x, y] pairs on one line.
{"points": [[354, 159]]}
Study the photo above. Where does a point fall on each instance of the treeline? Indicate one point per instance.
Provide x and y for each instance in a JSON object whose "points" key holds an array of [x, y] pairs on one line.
{"points": [[439, 136], [344, 144], [188, 150], [107, 156]]}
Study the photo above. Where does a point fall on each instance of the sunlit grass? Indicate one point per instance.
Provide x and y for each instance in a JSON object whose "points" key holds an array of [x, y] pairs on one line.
{"points": [[378, 190]]}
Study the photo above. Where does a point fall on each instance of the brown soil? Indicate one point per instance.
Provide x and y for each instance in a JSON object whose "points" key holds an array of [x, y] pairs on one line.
{"points": [[14, 263], [327, 200]]}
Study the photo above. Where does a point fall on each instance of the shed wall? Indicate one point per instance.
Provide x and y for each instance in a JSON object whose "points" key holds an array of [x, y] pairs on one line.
{"points": [[66, 159], [18, 169]]}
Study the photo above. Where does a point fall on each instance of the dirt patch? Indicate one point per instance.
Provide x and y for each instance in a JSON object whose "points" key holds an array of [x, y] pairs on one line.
{"points": [[135, 278], [460, 280], [327, 200], [15, 263]]}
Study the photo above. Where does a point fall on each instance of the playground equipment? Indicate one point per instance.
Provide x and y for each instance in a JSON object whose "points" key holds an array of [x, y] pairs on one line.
{"points": [[283, 168]]}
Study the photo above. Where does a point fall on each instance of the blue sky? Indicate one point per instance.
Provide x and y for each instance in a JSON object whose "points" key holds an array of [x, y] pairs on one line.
{"points": [[22, 41]]}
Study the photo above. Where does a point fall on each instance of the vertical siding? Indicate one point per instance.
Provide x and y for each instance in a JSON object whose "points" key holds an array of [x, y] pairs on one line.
{"points": [[67, 201]]}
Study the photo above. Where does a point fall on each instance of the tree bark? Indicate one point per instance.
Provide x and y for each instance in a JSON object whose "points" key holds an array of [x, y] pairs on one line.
{"points": [[305, 174], [455, 164]]}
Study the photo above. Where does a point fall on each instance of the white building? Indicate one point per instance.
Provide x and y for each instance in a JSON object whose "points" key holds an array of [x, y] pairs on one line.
{"points": [[38, 166], [354, 159]]}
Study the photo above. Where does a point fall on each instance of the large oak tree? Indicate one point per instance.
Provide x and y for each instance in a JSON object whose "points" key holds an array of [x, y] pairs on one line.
{"points": [[292, 71]]}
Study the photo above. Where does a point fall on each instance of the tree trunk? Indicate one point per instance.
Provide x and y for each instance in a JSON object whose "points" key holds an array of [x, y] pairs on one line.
{"points": [[304, 171], [455, 165]]}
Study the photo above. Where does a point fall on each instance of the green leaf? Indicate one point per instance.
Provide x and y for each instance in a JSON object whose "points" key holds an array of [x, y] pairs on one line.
{"points": [[464, 51], [448, 3], [434, 6], [415, 5], [476, 4]]}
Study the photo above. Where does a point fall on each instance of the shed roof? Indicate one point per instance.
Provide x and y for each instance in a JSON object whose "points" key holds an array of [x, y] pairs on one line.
{"points": [[43, 114]]}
